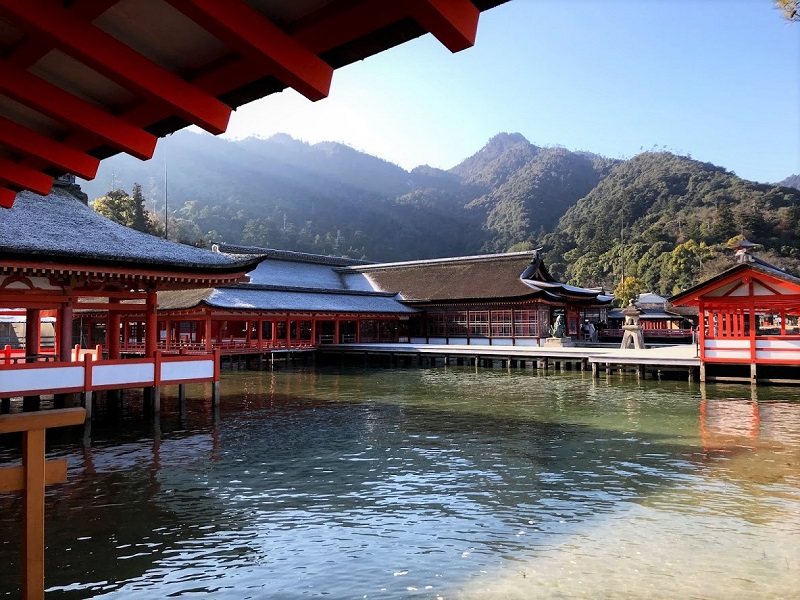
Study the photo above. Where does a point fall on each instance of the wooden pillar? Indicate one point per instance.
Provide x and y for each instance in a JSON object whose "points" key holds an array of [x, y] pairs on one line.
{"points": [[260, 333], [336, 338], [32, 331], [151, 326], [313, 330], [65, 332], [31, 478], [112, 331]]}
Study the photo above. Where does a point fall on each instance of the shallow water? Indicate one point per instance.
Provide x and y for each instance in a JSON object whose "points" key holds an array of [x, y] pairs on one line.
{"points": [[437, 483]]}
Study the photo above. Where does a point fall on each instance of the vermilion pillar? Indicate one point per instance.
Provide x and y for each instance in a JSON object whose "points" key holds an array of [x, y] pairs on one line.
{"points": [[112, 335], [65, 333], [32, 331], [151, 326]]}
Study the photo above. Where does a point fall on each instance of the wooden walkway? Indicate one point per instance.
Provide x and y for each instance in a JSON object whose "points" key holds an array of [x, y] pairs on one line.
{"points": [[679, 358]]}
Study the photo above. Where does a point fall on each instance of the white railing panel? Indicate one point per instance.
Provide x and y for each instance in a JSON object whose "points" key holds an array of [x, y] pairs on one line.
{"points": [[775, 344], [721, 344], [728, 354], [187, 369], [17, 381], [779, 355], [123, 374]]}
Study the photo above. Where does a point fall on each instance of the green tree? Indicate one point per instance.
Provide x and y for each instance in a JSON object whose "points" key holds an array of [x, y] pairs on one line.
{"points": [[686, 263], [117, 206], [140, 221], [627, 289], [127, 210]]}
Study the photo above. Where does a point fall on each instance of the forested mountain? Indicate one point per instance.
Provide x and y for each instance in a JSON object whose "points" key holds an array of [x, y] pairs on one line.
{"points": [[669, 215]]}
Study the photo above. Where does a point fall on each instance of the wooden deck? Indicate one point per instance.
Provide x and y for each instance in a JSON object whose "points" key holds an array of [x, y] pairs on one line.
{"points": [[678, 358]]}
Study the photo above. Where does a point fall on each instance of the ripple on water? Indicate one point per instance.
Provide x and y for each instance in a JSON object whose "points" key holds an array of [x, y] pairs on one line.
{"points": [[433, 483]]}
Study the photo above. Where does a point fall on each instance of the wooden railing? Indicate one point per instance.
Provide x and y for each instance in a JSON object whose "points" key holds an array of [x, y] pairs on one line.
{"points": [[228, 346], [91, 374], [31, 478]]}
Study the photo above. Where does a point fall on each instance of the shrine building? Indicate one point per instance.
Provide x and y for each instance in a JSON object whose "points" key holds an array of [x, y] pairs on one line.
{"points": [[61, 258], [749, 321], [297, 300]]}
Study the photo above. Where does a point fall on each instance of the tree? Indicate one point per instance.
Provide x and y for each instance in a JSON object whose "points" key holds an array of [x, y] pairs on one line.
{"points": [[140, 220], [790, 9], [686, 263], [127, 210], [117, 206], [627, 289]]}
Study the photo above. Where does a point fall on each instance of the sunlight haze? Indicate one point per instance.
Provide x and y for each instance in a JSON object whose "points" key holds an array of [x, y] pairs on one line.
{"points": [[717, 79]]}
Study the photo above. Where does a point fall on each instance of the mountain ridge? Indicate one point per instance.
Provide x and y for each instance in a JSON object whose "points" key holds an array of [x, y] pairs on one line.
{"points": [[328, 198]]}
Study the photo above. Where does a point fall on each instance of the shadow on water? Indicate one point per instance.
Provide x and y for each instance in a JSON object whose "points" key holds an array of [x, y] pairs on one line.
{"points": [[383, 483]]}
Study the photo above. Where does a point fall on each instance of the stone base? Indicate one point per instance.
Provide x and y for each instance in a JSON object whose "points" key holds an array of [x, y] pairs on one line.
{"points": [[560, 342]]}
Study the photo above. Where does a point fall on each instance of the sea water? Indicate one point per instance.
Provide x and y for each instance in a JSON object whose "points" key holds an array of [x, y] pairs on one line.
{"points": [[432, 483]]}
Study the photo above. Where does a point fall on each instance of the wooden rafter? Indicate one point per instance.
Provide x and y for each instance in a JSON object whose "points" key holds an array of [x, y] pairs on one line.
{"points": [[24, 177], [118, 62], [264, 57], [50, 151], [54, 102], [252, 35], [453, 22], [7, 196]]}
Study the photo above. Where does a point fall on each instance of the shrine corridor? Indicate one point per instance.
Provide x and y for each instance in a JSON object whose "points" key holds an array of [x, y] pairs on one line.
{"points": [[426, 483]]}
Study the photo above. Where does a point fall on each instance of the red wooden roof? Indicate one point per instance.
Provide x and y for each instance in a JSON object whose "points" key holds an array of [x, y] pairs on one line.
{"points": [[81, 80], [756, 281]]}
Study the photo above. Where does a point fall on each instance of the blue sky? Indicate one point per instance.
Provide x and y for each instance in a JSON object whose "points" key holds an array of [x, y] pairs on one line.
{"points": [[715, 79]]}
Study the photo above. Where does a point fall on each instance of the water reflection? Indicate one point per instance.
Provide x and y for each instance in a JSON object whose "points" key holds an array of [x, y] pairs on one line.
{"points": [[438, 482]]}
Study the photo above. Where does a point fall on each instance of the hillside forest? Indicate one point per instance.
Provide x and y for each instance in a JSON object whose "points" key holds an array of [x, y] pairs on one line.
{"points": [[661, 220]]}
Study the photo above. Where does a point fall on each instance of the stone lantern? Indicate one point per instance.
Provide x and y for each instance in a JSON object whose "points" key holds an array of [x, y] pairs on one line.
{"points": [[632, 333]]}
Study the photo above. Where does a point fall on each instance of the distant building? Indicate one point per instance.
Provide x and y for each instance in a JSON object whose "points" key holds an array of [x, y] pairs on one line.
{"points": [[496, 299], [303, 300], [658, 321]]}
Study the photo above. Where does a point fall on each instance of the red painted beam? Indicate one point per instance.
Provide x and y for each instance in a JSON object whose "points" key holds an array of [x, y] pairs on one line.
{"points": [[51, 100], [46, 149], [251, 34], [25, 177], [102, 52], [333, 26], [7, 197], [453, 22]]}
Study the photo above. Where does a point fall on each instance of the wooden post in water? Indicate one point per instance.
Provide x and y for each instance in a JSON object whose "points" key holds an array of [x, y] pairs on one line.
{"points": [[31, 478]]}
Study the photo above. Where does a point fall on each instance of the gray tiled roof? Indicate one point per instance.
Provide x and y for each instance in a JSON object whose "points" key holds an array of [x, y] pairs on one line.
{"points": [[249, 297], [60, 228]]}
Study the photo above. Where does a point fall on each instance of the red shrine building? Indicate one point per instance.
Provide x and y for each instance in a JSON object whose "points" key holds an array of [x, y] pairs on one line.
{"points": [[494, 299], [61, 259], [749, 321], [297, 300]]}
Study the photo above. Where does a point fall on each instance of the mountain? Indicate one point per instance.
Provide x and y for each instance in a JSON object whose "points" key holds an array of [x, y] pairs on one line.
{"points": [[662, 218], [655, 206], [791, 181]]}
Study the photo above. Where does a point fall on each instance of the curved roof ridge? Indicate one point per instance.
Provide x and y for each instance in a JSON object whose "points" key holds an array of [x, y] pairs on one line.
{"points": [[292, 255], [426, 262]]}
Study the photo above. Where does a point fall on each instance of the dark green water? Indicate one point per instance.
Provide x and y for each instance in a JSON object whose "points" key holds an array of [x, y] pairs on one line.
{"points": [[439, 483]]}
